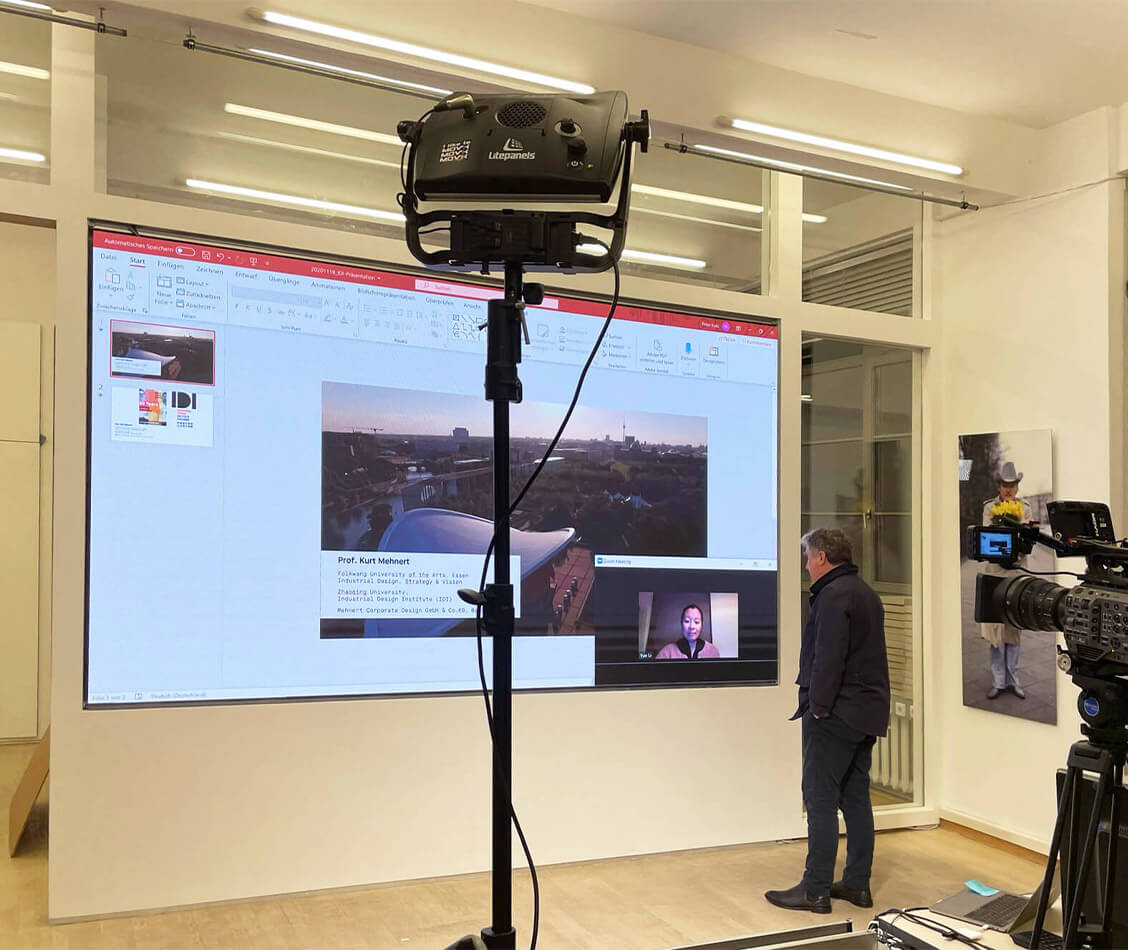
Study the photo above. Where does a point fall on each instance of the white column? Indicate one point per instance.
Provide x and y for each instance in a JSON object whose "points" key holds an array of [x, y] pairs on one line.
{"points": [[72, 176], [783, 273]]}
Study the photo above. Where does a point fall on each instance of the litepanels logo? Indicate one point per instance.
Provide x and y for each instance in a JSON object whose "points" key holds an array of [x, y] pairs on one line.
{"points": [[512, 149]]}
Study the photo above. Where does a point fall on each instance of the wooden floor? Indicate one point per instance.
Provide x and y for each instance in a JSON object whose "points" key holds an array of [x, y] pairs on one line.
{"points": [[648, 903]]}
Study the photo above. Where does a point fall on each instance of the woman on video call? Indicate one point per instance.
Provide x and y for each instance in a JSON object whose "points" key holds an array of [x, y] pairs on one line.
{"points": [[691, 645]]}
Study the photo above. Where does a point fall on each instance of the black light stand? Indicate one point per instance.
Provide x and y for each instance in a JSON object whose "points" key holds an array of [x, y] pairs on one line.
{"points": [[1103, 704], [505, 324], [455, 152]]}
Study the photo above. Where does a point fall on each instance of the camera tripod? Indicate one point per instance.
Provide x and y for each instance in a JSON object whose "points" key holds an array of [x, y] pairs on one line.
{"points": [[1102, 703]]}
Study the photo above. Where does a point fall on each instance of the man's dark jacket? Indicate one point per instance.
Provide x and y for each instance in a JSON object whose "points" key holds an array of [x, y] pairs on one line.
{"points": [[843, 667]]}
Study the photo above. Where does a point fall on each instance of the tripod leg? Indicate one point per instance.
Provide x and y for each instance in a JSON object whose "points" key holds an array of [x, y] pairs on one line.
{"points": [[1065, 806], [1109, 878], [1069, 937]]}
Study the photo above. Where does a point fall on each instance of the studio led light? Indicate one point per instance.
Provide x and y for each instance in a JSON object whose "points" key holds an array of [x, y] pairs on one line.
{"points": [[493, 151]]}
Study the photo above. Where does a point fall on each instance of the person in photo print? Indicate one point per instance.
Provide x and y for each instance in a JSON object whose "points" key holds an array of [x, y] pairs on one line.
{"points": [[1004, 639]]}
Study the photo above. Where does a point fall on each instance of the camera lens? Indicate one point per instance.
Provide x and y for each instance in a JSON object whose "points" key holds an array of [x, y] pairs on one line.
{"points": [[1031, 603]]}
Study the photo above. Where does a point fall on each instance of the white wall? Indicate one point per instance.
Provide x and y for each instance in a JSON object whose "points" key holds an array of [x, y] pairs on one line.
{"points": [[1029, 299], [27, 275], [238, 801]]}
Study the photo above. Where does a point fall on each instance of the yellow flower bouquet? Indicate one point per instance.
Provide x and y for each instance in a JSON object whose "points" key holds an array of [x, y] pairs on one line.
{"points": [[1012, 508]]}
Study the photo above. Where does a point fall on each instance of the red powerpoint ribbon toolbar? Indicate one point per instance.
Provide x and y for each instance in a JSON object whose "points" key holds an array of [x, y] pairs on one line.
{"points": [[213, 256]]}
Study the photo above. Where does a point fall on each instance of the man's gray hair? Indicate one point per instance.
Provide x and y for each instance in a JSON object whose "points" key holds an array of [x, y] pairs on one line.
{"points": [[832, 542]]}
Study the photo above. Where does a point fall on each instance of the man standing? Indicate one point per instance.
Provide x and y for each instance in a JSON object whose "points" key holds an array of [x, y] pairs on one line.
{"points": [[1004, 640], [844, 704]]}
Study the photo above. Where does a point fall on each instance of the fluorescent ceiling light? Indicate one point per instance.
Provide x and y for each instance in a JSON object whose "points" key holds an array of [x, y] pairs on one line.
{"points": [[670, 260], [709, 200], [20, 155], [18, 69], [424, 52], [419, 87], [297, 200], [307, 149], [26, 4], [795, 167], [648, 257], [689, 217], [712, 202], [852, 148], [316, 124]]}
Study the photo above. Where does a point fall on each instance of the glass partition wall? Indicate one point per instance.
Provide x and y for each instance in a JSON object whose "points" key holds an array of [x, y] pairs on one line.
{"points": [[25, 98], [857, 463], [189, 127], [860, 248], [701, 209]]}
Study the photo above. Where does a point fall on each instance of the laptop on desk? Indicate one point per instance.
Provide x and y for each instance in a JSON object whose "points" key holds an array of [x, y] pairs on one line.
{"points": [[1007, 913]]}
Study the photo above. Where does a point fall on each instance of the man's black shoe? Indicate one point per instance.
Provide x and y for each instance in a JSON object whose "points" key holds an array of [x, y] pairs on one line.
{"points": [[797, 898], [840, 891]]}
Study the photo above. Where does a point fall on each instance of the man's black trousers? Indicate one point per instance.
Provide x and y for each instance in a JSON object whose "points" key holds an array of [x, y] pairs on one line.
{"points": [[836, 766]]}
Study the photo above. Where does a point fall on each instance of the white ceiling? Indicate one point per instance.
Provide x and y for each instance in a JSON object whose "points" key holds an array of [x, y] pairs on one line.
{"points": [[1034, 62]]}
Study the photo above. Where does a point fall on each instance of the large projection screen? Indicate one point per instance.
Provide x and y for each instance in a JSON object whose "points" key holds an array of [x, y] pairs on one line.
{"points": [[289, 479]]}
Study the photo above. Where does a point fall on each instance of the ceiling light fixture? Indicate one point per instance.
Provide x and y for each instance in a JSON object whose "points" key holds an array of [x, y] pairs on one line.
{"points": [[838, 145], [796, 167], [649, 257], [423, 52], [356, 73], [689, 217], [668, 260], [712, 202], [21, 155], [26, 4], [297, 200], [18, 69], [689, 196], [307, 149], [317, 125]]}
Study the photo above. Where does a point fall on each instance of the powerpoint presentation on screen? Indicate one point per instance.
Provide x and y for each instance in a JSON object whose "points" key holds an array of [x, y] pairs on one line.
{"points": [[290, 479]]}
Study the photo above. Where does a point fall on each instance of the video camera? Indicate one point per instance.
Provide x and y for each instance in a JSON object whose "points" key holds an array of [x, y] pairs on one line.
{"points": [[1093, 616]]}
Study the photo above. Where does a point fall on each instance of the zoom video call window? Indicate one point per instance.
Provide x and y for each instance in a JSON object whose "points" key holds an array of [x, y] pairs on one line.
{"points": [[290, 478]]}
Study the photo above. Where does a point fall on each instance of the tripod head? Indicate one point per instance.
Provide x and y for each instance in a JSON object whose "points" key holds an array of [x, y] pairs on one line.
{"points": [[1102, 703]]}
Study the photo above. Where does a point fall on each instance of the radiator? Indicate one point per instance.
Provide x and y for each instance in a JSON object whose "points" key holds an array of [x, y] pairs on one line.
{"points": [[892, 768]]}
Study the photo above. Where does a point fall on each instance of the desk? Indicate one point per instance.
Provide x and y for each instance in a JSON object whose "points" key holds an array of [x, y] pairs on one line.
{"points": [[988, 939]]}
